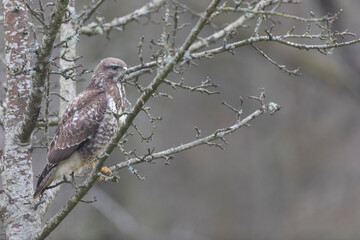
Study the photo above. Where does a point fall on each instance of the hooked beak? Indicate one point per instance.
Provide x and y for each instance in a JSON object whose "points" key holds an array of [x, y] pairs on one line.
{"points": [[124, 71]]}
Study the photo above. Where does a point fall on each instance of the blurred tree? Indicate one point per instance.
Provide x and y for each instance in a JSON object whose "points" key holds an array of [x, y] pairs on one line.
{"points": [[30, 37]]}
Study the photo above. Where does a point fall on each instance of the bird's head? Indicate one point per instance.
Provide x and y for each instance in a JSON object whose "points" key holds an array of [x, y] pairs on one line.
{"points": [[111, 69]]}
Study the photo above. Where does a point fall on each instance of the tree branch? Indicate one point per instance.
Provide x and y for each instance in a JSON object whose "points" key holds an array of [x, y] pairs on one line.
{"points": [[40, 72], [90, 181], [118, 23], [278, 14], [218, 134], [278, 39], [282, 39], [231, 27]]}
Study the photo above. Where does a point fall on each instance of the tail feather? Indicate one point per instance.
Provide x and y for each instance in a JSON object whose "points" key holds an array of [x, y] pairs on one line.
{"points": [[46, 177]]}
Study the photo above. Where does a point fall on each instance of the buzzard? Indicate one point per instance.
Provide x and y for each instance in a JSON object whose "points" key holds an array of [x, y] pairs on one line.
{"points": [[87, 125]]}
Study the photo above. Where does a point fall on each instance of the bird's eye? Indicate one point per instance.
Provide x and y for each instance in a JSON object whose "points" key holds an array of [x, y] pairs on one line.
{"points": [[115, 68]]}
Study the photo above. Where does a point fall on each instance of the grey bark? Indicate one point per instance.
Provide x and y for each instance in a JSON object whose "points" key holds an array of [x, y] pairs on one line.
{"points": [[20, 219]]}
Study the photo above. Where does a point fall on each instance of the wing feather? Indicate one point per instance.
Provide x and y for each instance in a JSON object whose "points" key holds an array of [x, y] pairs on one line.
{"points": [[79, 123]]}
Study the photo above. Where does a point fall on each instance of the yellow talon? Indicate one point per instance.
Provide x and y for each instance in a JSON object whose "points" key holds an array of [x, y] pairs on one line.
{"points": [[104, 170]]}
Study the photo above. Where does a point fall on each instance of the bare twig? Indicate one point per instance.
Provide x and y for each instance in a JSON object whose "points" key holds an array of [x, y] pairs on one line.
{"points": [[37, 14], [119, 23], [281, 67], [89, 12], [202, 88], [140, 50]]}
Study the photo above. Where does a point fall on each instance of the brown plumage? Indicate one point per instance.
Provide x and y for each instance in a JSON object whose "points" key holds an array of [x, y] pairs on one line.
{"points": [[87, 125]]}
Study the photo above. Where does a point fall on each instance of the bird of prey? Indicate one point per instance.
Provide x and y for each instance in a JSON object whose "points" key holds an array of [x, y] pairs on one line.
{"points": [[88, 123]]}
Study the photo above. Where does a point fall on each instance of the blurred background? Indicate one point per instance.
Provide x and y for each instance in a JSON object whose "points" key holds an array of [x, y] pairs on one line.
{"points": [[293, 175]]}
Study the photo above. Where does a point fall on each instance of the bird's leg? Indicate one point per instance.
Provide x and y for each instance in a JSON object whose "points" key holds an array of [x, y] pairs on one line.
{"points": [[65, 180], [72, 181], [72, 175], [81, 175], [104, 170]]}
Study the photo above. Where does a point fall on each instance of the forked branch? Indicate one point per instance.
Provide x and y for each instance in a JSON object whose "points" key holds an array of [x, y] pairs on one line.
{"points": [[218, 134]]}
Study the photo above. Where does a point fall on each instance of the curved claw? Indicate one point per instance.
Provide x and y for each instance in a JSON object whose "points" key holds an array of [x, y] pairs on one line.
{"points": [[105, 170]]}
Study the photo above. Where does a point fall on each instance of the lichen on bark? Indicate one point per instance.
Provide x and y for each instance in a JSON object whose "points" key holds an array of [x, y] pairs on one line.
{"points": [[20, 220]]}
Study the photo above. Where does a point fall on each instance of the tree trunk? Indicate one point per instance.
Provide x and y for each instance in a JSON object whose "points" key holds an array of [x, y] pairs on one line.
{"points": [[67, 86], [20, 220]]}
